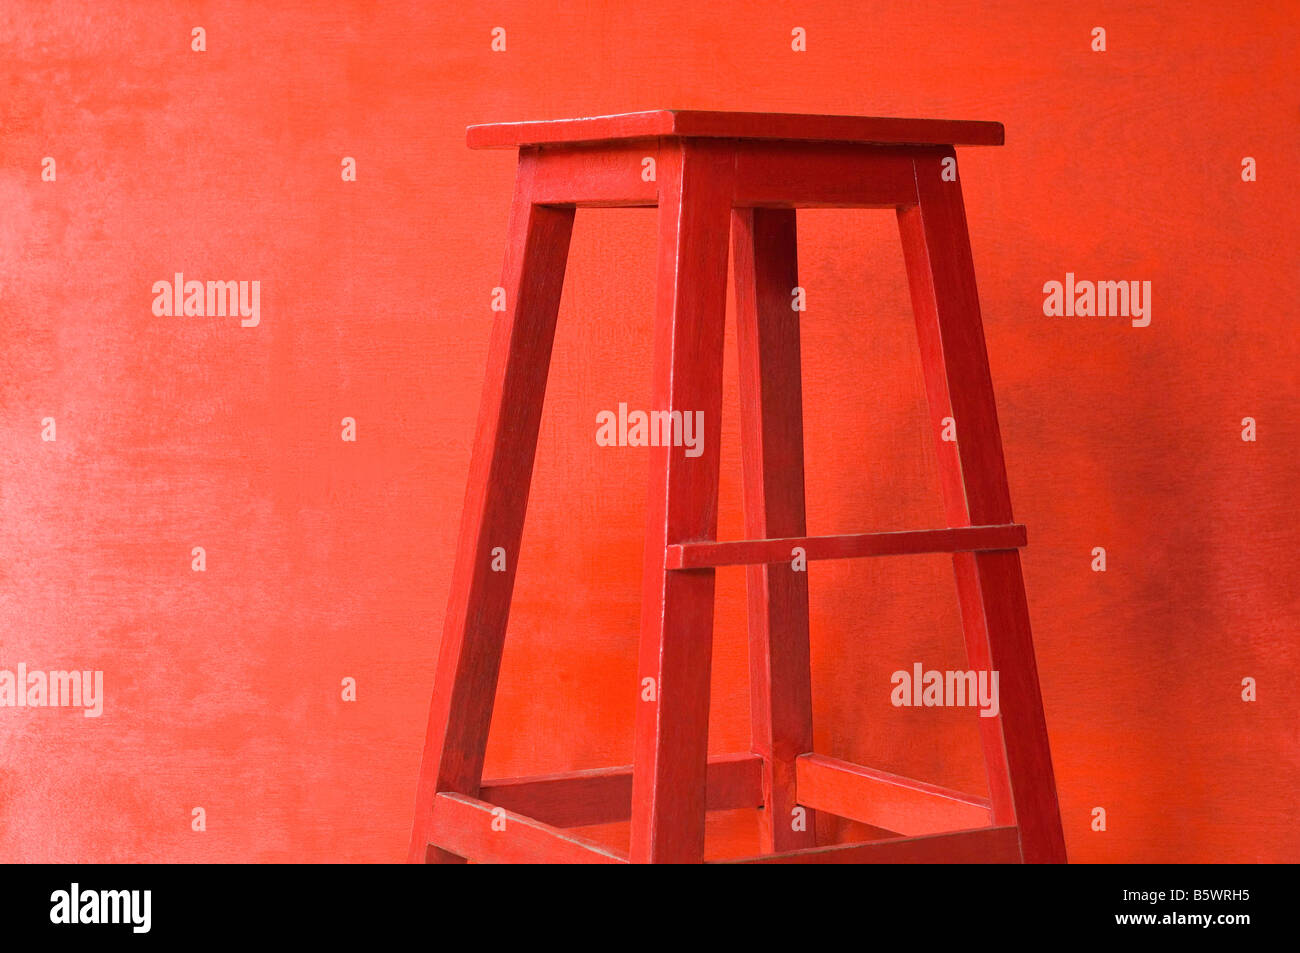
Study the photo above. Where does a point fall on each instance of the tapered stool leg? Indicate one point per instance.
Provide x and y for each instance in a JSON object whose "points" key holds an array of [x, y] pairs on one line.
{"points": [[672, 720], [995, 616], [771, 429], [501, 466]]}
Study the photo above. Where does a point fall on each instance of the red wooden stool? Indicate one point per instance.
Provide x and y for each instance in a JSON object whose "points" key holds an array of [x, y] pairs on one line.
{"points": [[739, 175]]}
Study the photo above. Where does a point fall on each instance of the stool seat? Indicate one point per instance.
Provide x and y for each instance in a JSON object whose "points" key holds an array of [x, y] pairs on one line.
{"points": [[697, 123]]}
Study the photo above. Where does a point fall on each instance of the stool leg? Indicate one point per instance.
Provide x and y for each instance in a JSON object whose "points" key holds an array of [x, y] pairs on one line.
{"points": [[501, 467], [771, 426], [672, 721], [990, 586]]}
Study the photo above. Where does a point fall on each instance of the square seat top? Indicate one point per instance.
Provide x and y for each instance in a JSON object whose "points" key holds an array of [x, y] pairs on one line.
{"points": [[687, 123]]}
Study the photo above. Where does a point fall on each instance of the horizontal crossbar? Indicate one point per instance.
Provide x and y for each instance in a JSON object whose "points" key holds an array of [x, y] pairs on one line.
{"points": [[489, 834], [884, 800], [604, 795], [767, 174], [961, 539], [522, 820], [989, 845]]}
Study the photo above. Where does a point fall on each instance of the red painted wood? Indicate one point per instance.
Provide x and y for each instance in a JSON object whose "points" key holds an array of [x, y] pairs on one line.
{"points": [[975, 633], [604, 175], [501, 467], [785, 174], [991, 845], [1024, 727], [602, 796], [736, 125], [973, 477], [941, 276], [906, 543], [486, 833], [771, 424], [952, 484], [671, 739], [771, 174], [886, 800], [704, 169]]}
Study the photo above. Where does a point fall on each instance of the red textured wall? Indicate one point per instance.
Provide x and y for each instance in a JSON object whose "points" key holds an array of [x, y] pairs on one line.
{"points": [[329, 559]]}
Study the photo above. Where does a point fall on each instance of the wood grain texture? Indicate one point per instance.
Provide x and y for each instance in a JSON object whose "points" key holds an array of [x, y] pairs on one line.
{"points": [[970, 605], [735, 125], [790, 174], [771, 431], [991, 845], [473, 636], [769, 174], [850, 546], [599, 175], [671, 739], [886, 800], [1024, 728], [973, 479], [486, 833], [604, 795]]}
